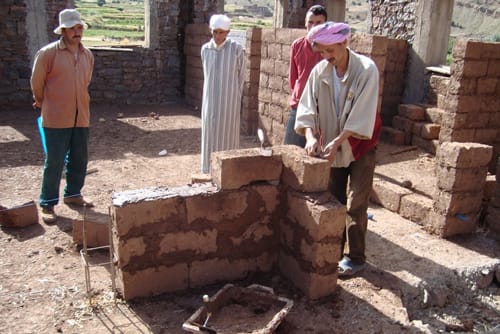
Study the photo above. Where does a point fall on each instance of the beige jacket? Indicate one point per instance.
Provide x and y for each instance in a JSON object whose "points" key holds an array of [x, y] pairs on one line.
{"points": [[60, 82], [358, 106]]}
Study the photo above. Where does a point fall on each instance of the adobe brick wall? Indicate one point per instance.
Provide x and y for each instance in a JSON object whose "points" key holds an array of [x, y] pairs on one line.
{"points": [[170, 239], [472, 109], [461, 175]]}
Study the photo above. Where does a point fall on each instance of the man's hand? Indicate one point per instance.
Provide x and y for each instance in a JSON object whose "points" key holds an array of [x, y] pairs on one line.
{"points": [[36, 105], [330, 150], [313, 147]]}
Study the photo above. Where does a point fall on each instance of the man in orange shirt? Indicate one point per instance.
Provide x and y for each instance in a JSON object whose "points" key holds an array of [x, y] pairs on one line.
{"points": [[61, 75], [302, 60]]}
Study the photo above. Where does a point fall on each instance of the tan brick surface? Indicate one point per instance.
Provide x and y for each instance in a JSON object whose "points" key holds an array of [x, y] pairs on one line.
{"points": [[461, 179], [411, 111], [318, 214], [388, 194], [154, 281], [463, 155], [312, 284], [236, 168], [415, 207], [302, 172], [451, 204]]}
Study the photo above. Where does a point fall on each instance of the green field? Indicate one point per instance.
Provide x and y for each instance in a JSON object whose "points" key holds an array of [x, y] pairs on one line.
{"points": [[121, 22], [117, 22]]}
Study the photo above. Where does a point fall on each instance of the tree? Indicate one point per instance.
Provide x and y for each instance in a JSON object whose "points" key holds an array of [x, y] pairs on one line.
{"points": [[101, 3]]}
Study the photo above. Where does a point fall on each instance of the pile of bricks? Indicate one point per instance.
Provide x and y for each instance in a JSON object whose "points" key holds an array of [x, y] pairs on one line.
{"points": [[261, 213], [417, 125]]}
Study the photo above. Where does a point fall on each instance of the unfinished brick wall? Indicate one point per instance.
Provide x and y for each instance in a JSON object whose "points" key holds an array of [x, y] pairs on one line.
{"points": [[262, 213], [472, 109], [394, 75], [461, 175]]}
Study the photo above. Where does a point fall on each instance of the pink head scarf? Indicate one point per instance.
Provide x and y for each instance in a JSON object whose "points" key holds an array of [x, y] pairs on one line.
{"points": [[329, 33]]}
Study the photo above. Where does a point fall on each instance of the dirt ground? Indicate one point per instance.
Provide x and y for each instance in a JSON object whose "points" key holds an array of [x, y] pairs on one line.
{"points": [[414, 283]]}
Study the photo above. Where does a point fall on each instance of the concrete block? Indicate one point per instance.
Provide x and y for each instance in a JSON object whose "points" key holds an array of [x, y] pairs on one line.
{"points": [[222, 269], [461, 179], [302, 172], [128, 249], [388, 194], [434, 115], [320, 215], [236, 168], [415, 207], [313, 284], [96, 233], [153, 281], [430, 131], [463, 155], [19, 216], [427, 145]]}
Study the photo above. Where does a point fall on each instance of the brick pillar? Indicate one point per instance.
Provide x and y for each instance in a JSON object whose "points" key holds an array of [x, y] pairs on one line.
{"points": [[461, 174], [250, 108]]}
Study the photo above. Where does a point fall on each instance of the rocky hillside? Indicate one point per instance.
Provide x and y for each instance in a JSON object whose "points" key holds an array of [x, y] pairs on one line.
{"points": [[475, 18]]}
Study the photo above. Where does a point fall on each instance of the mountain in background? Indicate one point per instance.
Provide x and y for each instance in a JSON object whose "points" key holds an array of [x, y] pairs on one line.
{"points": [[473, 18]]}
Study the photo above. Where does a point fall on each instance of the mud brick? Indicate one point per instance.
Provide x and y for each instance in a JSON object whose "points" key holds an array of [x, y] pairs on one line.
{"points": [[302, 172], [463, 155], [19, 216], [447, 226], [221, 270], [493, 219], [392, 136], [203, 242], [96, 233], [411, 111], [319, 214], [427, 145], [430, 131], [462, 203], [434, 115], [461, 179], [154, 210], [313, 285], [415, 208], [321, 254], [127, 249], [236, 168], [388, 194], [153, 281], [405, 125]]}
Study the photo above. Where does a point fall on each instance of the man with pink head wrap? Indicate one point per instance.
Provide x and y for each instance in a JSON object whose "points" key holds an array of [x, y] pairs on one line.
{"points": [[338, 115]]}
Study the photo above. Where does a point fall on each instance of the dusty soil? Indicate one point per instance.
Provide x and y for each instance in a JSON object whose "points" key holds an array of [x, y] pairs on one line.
{"points": [[414, 283]]}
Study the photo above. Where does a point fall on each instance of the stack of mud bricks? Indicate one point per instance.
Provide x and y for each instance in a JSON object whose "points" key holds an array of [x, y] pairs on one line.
{"points": [[261, 213], [415, 125], [493, 208], [461, 175]]}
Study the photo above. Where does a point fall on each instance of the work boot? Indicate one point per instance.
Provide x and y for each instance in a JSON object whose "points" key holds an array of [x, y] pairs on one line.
{"points": [[77, 201], [48, 215]]}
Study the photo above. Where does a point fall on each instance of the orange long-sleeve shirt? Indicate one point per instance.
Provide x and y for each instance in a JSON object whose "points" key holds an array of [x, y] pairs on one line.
{"points": [[60, 81]]}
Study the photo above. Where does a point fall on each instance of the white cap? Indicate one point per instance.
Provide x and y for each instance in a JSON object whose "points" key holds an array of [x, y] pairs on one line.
{"points": [[68, 18], [220, 21]]}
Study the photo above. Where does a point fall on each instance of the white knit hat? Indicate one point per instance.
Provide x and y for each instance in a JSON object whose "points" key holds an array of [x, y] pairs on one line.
{"points": [[69, 18]]}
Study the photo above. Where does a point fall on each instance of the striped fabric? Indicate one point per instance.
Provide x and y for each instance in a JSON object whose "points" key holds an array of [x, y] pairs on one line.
{"points": [[223, 70]]}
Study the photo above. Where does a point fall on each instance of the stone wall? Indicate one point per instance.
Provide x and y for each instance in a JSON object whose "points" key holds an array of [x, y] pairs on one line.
{"points": [[472, 108], [394, 19], [281, 217], [15, 68]]}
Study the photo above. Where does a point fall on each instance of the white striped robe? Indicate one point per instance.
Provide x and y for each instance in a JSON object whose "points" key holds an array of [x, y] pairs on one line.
{"points": [[223, 71]]}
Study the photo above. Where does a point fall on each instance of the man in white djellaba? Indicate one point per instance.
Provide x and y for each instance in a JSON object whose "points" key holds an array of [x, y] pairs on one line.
{"points": [[223, 70]]}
